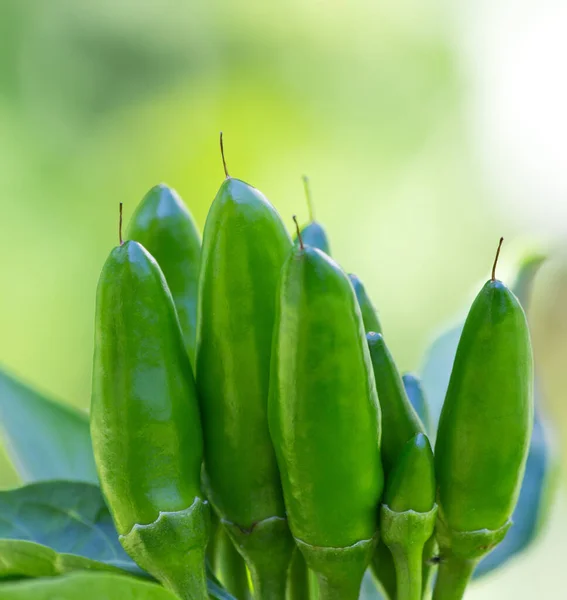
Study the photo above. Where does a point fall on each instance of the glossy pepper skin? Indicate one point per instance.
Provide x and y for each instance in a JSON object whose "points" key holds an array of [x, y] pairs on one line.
{"points": [[539, 483], [487, 417], [322, 390], [483, 435], [145, 423], [164, 226], [244, 247], [369, 314]]}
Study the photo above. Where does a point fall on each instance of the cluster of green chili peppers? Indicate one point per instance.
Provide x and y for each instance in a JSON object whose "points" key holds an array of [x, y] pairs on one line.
{"points": [[247, 414]]}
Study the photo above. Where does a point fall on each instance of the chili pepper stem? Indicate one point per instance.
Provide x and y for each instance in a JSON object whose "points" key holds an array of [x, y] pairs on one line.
{"points": [[269, 584], [453, 577], [298, 578], [230, 566], [300, 239], [267, 550], [120, 224], [223, 158], [429, 567], [493, 277], [408, 564], [335, 589], [191, 584], [309, 198]]}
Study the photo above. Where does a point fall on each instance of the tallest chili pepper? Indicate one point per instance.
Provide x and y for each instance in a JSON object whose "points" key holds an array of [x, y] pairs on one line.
{"points": [[244, 246]]}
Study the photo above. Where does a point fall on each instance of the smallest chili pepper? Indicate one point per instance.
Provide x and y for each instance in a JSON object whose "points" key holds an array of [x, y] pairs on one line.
{"points": [[408, 513], [313, 234], [369, 314], [401, 422], [416, 395]]}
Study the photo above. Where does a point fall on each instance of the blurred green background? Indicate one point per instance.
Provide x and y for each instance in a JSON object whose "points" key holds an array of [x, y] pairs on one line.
{"points": [[428, 129]]}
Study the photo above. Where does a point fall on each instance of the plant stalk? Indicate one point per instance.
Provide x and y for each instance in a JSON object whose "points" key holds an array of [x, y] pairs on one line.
{"points": [[453, 577], [408, 563], [298, 578], [338, 589]]}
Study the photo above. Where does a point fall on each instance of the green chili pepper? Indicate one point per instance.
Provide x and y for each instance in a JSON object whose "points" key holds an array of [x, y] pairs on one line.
{"points": [[325, 421], [416, 396], [401, 422], [145, 423], [164, 226], [244, 247], [484, 433], [407, 515], [313, 234], [369, 314]]}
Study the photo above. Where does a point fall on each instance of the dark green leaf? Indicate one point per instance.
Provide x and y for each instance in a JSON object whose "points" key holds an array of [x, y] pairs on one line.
{"points": [[86, 586], [70, 528], [54, 528], [45, 440]]}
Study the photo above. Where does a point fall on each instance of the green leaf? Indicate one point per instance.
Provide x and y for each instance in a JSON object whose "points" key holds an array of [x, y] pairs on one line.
{"points": [[52, 528], [436, 371], [55, 528], [45, 440], [86, 586]]}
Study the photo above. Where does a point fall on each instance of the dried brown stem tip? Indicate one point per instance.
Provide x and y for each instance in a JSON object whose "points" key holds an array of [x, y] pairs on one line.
{"points": [[496, 259], [298, 233], [120, 224], [223, 159]]}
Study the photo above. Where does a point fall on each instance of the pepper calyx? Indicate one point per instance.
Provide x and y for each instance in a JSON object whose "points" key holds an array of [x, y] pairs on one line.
{"points": [[268, 569], [339, 563], [172, 548], [470, 545], [406, 528]]}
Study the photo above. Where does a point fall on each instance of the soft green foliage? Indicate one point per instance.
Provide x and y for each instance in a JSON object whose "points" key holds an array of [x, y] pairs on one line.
{"points": [[45, 440], [70, 528], [88, 586]]}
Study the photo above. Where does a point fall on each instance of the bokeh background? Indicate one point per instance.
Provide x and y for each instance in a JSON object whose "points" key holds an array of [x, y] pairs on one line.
{"points": [[428, 130]]}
